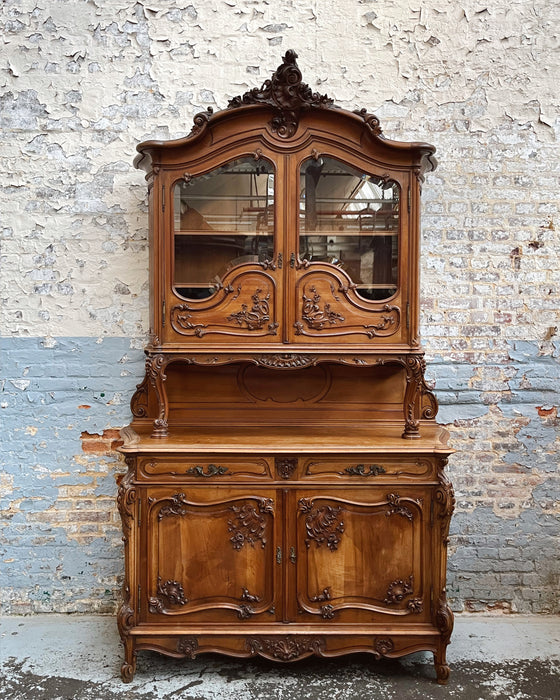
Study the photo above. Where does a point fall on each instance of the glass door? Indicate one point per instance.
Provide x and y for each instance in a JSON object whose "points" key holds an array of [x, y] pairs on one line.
{"points": [[348, 252], [224, 278], [222, 219]]}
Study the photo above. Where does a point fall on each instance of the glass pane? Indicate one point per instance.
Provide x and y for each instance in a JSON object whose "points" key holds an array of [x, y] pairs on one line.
{"points": [[351, 220], [222, 219]]}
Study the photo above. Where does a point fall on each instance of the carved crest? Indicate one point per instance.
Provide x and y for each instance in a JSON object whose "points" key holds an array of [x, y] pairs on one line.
{"points": [[287, 94]]}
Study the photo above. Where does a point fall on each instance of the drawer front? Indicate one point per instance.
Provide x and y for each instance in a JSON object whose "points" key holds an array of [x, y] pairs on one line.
{"points": [[367, 468], [204, 469]]}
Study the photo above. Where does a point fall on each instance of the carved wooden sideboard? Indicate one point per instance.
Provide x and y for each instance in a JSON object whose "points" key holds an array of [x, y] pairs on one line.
{"points": [[285, 493]]}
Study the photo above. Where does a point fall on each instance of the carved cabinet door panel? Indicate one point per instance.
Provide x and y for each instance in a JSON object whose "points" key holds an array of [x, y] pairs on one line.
{"points": [[348, 270], [211, 555], [360, 556], [224, 260]]}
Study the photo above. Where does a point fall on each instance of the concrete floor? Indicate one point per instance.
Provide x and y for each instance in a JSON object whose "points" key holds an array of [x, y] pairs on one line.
{"points": [[63, 657]]}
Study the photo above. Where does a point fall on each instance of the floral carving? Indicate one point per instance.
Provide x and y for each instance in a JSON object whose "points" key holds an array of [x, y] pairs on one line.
{"points": [[257, 316], [286, 648], [249, 525], [177, 506], [181, 320], [362, 470], [388, 320], [285, 467], [248, 597], [211, 470], [287, 94], [322, 524], [187, 646], [398, 590], [416, 605], [316, 317], [384, 646], [286, 361], [397, 508], [323, 596], [445, 500], [170, 591]]}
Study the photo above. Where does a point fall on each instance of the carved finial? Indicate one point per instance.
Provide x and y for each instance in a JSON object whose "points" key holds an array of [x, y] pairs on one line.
{"points": [[286, 92]]}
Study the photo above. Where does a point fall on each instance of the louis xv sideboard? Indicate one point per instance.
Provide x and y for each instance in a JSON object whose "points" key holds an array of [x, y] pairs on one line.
{"points": [[286, 493]]}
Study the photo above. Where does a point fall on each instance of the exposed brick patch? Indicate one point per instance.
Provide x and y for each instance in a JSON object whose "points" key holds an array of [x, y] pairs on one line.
{"points": [[107, 442]]}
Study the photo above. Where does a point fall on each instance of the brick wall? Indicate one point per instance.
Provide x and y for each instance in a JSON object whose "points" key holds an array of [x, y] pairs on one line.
{"points": [[82, 82]]}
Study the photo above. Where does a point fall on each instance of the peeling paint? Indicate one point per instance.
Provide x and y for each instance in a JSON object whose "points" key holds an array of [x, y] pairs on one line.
{"points": [[79, 90]]}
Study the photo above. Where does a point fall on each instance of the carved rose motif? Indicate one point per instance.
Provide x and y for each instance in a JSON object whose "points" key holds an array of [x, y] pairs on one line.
{"points": [[383, 646], [285, 467], [187, 646], [398, 590], [170, 591]]}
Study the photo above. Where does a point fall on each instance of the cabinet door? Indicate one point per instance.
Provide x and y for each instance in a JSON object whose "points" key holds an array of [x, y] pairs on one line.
{"points": [[223, 280], [210, 555], [361, 556], [348, 281]]}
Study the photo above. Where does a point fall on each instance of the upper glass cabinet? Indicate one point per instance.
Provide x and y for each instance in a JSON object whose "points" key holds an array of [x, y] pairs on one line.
{"points": [[350, 219], [222, 219]]}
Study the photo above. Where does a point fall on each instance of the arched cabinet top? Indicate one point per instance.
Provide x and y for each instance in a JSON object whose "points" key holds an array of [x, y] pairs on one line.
{"points": [[286, 115]]}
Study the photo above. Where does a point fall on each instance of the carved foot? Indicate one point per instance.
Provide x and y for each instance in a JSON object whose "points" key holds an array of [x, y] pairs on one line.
{"points": [[442, 669], [128, 669], [127, 672]]}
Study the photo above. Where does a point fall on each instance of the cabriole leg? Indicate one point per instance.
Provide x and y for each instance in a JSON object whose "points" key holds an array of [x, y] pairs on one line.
{"points": [[128, 668], [442, 669]]}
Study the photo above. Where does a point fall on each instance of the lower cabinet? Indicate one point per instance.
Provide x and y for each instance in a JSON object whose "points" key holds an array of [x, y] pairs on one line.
{"points": [[285, 571]]}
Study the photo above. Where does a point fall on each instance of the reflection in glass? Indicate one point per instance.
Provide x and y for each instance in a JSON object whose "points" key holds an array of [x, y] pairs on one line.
{"points": [[351, 220], [222, 219]]}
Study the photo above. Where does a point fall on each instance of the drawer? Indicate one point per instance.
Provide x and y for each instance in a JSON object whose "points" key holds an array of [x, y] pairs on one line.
{"points": [[368, 468], [204, 468]]}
